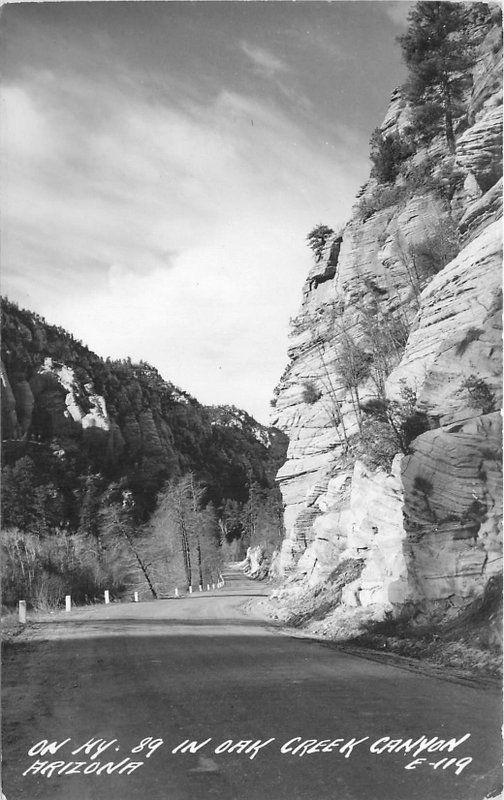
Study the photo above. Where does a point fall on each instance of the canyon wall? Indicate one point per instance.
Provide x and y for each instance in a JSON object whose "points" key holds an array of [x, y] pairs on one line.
{"points": [[401, 315]]}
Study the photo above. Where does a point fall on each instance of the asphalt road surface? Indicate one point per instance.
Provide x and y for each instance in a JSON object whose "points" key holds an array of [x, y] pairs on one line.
{"points": [[123, 677]]}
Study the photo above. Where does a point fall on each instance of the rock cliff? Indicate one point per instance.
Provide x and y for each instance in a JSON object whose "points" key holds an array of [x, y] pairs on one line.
{"points": [[390, 398]]}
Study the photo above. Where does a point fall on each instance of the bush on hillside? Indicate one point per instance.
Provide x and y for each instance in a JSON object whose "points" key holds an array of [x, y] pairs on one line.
{"points": [[430, 176], [310, 393], [389, 427], [382, 196], [387, 154], [480, 396], [440, 245]]}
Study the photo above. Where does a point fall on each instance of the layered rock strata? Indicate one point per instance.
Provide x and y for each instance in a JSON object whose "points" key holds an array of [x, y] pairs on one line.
{"points": [[429, 526]]}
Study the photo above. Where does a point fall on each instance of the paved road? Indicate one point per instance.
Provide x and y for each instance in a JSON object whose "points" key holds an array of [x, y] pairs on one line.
{"points": [[198, 668]]}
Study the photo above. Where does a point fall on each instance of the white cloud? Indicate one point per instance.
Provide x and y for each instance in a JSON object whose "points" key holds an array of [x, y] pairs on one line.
{"points": [[166, 233], [266, 62]]}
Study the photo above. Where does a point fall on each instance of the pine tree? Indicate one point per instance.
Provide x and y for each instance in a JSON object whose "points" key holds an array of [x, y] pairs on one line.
{"points": [[317, 239], [437, 50]]}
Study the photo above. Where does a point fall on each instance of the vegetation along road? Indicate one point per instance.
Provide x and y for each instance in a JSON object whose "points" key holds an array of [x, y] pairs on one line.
{"points": [[98, 704]]}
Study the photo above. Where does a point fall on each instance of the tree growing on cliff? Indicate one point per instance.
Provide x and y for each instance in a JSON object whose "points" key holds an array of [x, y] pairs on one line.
{"points": [[437, 50], [387, 155], [354, 364], [317, 239], [391, 426]]}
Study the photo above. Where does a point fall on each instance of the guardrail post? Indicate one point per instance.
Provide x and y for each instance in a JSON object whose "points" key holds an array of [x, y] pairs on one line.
{"points": [[208, 587], [107, 596], [135, 597], [176, 592], [68, 603], [200, 587], [190, 589], [22, 611]]}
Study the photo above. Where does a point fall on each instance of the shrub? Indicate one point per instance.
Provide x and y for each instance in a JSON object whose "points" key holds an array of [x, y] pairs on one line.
{"points": [[391, 426], [310, 393], [424, 259], [387, 155], [480, 396], [381, 197], [377, 444], [385, 336], [428, 175], [43, 571]]}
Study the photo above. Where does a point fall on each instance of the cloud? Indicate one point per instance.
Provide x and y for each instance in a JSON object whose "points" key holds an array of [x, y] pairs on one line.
{"points": [[168, 231], [263, 60]]}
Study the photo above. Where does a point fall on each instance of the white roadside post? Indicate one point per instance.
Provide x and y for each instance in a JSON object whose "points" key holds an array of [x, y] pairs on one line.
{"points": [[208, 587], [200, 587], [107, 596], [22, 611], [135, 597], [213, 586], [68, 603], [176, 592], [190, 589]]}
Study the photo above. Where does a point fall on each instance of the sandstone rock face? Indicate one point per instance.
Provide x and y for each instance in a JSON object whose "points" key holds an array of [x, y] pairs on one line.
{"points": [[97, 416], [457, 331], [428, 528], [453, 508], [481, 212], [255, 564], [479, 149]]}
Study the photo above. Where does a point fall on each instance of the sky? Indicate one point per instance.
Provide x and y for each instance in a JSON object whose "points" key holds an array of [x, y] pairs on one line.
{"points": [[162, 165]]}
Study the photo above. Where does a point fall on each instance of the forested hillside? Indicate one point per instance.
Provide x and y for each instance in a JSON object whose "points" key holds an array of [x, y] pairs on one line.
{"points": [[85, 438]]}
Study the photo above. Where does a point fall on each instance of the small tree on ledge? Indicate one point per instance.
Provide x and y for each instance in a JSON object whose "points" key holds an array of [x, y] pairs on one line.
{"points": [[317, 239]]}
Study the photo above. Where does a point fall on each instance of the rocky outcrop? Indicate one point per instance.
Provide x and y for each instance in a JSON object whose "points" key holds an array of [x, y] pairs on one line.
{"points": [[457, 331], [407, 317], [255, 564], [484, 210], [453, 508], [479, 149]]}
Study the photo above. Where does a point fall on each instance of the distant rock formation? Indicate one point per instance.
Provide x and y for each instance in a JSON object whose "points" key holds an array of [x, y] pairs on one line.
{"points": [[84, 420]]}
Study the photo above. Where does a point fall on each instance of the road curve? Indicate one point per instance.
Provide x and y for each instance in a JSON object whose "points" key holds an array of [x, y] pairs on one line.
{"points": [[199, 669]]}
